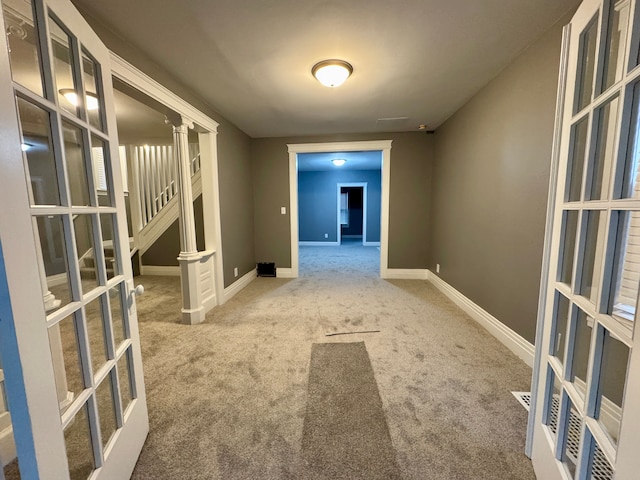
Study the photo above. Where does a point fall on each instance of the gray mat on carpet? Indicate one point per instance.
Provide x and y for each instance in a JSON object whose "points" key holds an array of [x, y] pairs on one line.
{"points": [[345, 433]]}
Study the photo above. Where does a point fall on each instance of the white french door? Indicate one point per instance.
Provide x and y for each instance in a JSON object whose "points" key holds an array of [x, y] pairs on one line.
{"points": [[587, 416], [69, 338]]}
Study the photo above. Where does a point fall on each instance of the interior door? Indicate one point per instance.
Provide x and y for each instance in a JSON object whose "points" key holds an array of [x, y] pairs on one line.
{"points": [[68, 337], [587, 415]]}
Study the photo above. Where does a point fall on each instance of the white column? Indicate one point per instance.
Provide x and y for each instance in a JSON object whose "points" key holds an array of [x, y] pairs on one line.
{"points": [[192, 308]]}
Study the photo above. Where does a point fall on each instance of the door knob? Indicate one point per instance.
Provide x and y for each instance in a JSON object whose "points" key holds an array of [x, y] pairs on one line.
{"points": [[139, 290]]}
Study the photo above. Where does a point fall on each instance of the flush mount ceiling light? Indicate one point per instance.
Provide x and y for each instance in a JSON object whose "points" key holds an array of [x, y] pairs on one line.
{"points": [[332, 73], [72, 97], [338, 162]]}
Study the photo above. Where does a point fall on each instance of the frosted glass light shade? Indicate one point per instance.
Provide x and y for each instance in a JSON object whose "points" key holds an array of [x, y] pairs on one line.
{"points": [[332, 73], [338, 162]]}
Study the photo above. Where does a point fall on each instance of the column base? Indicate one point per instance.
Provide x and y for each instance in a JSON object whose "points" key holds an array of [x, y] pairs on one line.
{"points": [[193, 316], [193, 311]]}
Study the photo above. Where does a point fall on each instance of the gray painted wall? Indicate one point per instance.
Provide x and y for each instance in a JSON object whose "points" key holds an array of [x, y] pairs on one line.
{"points": [[165, 250], [410, 190], [490, 184], [318, 203], [233, 158]]}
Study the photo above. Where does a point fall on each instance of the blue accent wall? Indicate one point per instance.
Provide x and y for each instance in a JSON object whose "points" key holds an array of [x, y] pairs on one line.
{"points": [[318, 203]]}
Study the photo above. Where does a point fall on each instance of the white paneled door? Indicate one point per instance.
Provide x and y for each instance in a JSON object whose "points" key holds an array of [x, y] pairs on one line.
{"points": [[587, 416], [68, 330]]}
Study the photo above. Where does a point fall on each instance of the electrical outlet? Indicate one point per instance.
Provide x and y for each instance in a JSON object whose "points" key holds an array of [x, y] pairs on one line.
{"points": [[326, 235], [437, 268], [235, 272]]}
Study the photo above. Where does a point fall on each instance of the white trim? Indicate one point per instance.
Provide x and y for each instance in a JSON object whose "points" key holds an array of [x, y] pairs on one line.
{"points": [[235, 288], [319, 244], [407, 274], [160, 270], [510, 339], [126, 72], [371, 244], [551, 205], [286, 273], [362, 185], [294, 149]]}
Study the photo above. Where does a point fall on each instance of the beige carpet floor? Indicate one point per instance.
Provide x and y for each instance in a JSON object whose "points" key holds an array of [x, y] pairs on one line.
{"points": [[227, 398]]}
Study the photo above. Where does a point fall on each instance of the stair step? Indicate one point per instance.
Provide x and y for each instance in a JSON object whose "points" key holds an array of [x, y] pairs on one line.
{"points": [[89, 273]]}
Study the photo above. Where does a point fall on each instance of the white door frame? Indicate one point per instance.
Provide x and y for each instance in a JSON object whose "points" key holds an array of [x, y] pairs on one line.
{"points": [[129, 74], [362, 185], [333, 147]]}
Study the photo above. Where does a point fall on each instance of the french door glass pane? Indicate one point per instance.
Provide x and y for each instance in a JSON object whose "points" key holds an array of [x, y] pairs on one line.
{"points": [[560, 327], [74, 150], [38, 148], [63, 342], [50, 231], [107, 222], [102, 180], [631, 174], [106, 409], [85, 246], [570, 226], [616, 39], [594, 233], [79, 447], [587, 65], [63, 68], [124, 375], [600, 468], [573, 427], [96, 333], [579, 133], [581, 349], [626, 267], [606, 117], [553, 402], [117, 316], [613, 375], [23, 44], [94, 102]]}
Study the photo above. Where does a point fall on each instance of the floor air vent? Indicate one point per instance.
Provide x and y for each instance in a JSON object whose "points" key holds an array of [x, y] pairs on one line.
{"points": [[601, 468]]}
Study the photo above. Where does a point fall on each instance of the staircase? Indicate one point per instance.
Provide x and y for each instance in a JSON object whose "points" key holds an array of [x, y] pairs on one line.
{"points": [[153, 189], [88, 269]]}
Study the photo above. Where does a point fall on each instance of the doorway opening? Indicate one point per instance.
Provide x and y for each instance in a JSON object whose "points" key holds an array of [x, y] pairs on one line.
{"points": [[352, 213], [296, 153]]}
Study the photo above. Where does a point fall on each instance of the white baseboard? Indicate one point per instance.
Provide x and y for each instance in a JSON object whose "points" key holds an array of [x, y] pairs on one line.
{"points": [[59, 279], [235, 287], [168, 270], [514, 342], [285, 273], [406, 274], [319, 244], [371, 244]]}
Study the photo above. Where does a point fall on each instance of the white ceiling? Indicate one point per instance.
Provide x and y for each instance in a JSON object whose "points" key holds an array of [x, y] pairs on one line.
{"points": [[416, 61]]}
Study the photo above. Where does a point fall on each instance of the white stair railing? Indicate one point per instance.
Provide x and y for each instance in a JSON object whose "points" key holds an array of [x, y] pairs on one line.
{"points": [[155, 175]]}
